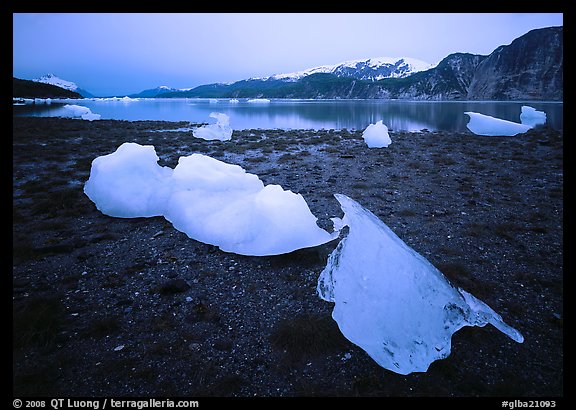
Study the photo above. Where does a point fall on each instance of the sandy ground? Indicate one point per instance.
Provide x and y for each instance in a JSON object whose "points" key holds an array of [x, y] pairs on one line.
{"points": [[132, 307]]}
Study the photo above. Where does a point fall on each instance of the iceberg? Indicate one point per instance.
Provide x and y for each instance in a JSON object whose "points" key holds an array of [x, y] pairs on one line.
{"points": [[259, 100], [490, 126], [75, 111], [125, 99], [128, 182], [219, 203], [207, 199], [22, 101], [376, 135], [42, 100], [481, 124], [531, 117], [219, 131], [392, 302]]}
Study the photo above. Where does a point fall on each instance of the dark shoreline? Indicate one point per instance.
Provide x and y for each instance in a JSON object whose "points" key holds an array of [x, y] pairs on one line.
{"points": [[195, 321]]}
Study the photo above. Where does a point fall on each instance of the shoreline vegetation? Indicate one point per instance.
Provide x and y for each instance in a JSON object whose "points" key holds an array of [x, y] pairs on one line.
{"points": [[132, 307]]}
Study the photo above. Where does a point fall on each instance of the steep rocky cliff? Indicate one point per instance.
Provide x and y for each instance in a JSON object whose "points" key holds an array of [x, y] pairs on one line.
{"points": [[449, 80], [530, 67]]}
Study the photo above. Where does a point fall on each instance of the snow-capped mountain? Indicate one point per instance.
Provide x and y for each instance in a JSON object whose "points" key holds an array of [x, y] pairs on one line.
{"points": [[67, 85], [372, 69], [157, 92], [57, 81]]}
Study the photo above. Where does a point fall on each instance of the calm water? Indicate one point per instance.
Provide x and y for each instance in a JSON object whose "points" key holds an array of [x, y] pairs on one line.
{"points": [[303, 114]]}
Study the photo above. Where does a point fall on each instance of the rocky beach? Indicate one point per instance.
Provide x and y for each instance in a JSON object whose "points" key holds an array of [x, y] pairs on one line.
{"points": [[108, 306]]}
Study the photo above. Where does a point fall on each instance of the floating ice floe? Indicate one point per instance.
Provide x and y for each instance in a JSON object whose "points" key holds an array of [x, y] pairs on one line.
{"points": [[376, 135], [259, 100], [22, 101], [42, 100], [209, 200], [119, 99], [219, 131], [78, 111], [531, 117], [391, 301], [481, 124]]}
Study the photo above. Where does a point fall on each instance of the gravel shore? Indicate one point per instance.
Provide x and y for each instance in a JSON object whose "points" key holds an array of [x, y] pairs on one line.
{"points": [[108, 306]]}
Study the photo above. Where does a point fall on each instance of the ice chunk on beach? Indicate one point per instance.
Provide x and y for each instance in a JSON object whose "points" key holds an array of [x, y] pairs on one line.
{"points": [[207, 199], [531, 117], [481, 124], [129, 182], [78, 111], [391, 301], [376, 135], [222, 204], [219, 131]]}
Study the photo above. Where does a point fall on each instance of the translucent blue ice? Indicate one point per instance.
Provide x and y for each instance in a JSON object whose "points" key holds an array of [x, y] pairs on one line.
{"points": [[391, 301]]}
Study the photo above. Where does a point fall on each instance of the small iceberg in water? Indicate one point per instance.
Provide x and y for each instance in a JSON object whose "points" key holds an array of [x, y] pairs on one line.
{"points": [[258, 100]]}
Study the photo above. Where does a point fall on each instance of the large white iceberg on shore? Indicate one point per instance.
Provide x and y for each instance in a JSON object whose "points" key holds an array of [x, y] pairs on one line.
{"points": [[127, 183], [209, 200], [482, 124], [391, 301], [74, 111], [219, 131], [376, 135], [490, 126]]}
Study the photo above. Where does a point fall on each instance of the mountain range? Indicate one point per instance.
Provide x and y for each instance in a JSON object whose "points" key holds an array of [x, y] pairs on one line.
{"points": [[531, 68], [371, 69], [157, 92]]}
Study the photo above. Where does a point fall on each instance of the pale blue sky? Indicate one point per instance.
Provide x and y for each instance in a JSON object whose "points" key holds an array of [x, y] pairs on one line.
{"points": [[119, 54]]}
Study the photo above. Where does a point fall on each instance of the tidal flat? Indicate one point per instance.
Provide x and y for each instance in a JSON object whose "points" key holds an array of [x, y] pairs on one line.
{"points": [[108, 306]]}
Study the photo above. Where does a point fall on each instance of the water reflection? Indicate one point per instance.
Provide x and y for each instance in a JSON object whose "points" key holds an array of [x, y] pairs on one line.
{"points": [[305, 114]]}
